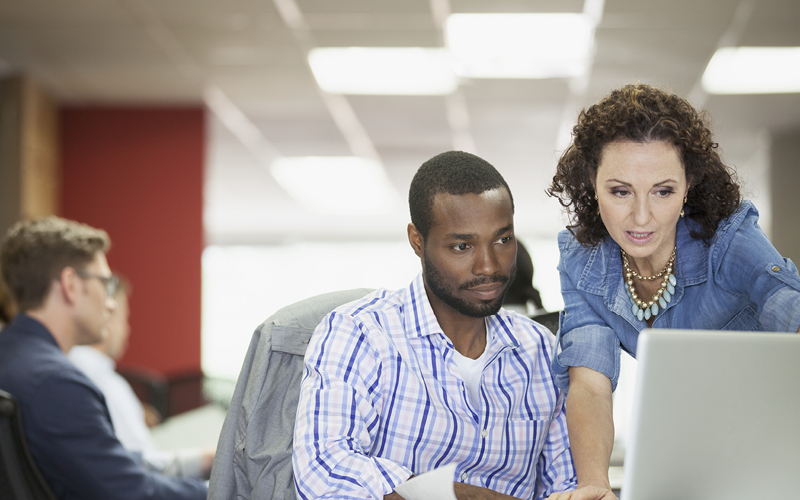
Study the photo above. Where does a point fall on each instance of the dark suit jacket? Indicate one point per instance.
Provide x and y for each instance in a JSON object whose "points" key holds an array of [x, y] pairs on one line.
{"points": [[68, 426]]}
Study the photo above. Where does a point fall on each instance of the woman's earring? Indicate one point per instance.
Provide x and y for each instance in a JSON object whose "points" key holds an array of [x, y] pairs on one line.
{"points": [[684, 202]]}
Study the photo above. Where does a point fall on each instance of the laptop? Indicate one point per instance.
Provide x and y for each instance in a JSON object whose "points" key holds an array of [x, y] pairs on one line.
{"points": [[716, 417]]}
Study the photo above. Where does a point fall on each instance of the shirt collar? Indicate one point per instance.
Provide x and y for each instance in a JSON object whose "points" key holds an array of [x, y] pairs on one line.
{"points": [[692, 257], [603, 271], [421, 321], [94, 357], [29, 326]]}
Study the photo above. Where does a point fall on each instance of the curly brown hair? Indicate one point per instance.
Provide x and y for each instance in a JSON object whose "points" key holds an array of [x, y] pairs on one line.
{"points": [[642, 113]]}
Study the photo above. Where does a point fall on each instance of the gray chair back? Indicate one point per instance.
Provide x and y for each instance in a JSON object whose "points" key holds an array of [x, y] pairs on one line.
{"points": [[254, 454]]}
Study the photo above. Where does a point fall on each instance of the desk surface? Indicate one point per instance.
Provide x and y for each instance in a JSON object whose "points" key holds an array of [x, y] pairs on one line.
{"points": [[198, 428]]}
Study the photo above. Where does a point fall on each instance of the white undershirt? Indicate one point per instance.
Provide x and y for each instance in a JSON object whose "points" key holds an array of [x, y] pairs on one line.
{"points": [[127, 416], [472, 371]]}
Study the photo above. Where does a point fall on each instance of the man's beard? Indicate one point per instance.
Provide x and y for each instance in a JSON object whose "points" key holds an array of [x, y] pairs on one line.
{"points": [[437, 285]]}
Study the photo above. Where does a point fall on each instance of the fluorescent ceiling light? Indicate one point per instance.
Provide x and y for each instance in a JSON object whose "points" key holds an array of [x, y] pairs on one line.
{"points": [[336, 185], [520, 45], [383, 71], [753, 70]]}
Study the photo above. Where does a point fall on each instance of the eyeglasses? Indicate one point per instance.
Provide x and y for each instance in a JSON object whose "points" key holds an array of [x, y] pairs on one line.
{"points": [[109, 282]]}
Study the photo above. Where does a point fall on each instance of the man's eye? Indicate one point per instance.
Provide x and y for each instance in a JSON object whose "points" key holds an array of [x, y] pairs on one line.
{"points": [[505, 239], [461, 247]]}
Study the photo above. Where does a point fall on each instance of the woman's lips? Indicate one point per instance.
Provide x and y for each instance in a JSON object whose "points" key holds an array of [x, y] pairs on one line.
{"points": [[639, 238]]}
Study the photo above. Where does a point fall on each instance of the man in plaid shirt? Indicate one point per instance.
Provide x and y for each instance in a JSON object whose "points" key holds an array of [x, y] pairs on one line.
{"points": [[403, 382]]}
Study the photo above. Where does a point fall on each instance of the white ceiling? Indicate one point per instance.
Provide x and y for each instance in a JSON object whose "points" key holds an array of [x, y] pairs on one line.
{"points": [[253, 51]]}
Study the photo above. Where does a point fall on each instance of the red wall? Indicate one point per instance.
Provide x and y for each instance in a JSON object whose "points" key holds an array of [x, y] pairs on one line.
{"points": [[138, 174]]}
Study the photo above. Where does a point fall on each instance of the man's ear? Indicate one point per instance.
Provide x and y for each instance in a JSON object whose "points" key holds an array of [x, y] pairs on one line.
{"points": [[415, 239], [68, 283]]}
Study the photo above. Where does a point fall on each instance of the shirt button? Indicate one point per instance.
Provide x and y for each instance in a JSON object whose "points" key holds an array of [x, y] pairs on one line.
{"points": [[463, 477], [775, 269], [484, 433]]}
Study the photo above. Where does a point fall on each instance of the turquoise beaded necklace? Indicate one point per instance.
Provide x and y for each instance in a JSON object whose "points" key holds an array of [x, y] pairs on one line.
{"points": [[644, 310]]}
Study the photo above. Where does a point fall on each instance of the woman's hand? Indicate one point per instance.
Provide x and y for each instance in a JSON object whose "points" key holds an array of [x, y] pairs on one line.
{"points": [[585, 493]]}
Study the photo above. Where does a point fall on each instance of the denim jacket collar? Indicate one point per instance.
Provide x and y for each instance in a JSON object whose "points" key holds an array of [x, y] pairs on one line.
{"points": [[602, 274]]}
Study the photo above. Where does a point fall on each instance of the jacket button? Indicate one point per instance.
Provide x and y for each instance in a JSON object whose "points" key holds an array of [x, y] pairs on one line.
{"points": [[775, 269]]}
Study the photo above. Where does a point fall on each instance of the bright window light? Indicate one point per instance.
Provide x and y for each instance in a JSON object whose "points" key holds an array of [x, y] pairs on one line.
{"points": [[520, 45], [383, 71], [753, 70], [243, 285], [336, 185]]}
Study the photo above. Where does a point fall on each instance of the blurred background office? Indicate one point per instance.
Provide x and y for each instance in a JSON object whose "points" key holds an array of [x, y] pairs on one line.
{"points": [[246, 154]]}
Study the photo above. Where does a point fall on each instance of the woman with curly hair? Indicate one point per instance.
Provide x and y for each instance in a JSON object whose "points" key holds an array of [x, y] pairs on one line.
{"points": [[659, 237]]}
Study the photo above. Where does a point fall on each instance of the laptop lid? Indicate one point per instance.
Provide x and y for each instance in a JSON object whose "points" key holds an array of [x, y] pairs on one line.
{"points": [[716, 416]]}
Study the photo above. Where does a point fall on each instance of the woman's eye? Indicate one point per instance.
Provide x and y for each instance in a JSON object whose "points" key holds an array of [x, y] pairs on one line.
{"points": [[664, 192], [620, 192]]}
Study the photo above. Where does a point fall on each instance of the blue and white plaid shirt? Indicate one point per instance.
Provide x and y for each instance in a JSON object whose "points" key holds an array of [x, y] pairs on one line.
{"points": [[382, 399]]}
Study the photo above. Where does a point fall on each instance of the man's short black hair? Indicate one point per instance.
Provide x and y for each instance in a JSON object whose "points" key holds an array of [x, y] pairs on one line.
{"points": [[453, 172]]}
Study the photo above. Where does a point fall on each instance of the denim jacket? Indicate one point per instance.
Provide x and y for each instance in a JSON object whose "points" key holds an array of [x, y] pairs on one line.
{"points": [[739, 282]]}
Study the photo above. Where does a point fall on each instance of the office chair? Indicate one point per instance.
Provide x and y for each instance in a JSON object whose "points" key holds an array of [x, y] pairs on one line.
{"points": [[254, 454], [20, 479], [548, 319]]}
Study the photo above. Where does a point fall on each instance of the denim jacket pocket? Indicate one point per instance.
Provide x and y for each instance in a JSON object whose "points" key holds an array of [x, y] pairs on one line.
{"points": [[745, 320]]}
